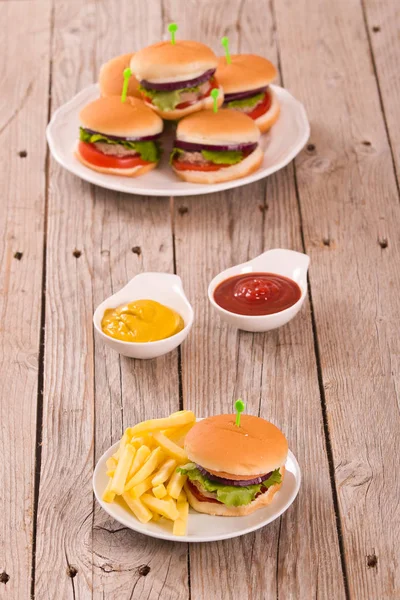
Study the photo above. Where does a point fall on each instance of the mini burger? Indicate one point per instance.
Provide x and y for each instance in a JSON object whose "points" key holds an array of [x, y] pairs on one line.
{"points": [[176, 79], [119, 138], [246, 82], [111, 78], [235, 470], [212, 147]]}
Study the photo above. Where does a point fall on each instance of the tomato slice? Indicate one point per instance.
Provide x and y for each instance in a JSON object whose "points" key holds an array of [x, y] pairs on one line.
{"points": [[90, 153], [181, 165], [262, 108]]}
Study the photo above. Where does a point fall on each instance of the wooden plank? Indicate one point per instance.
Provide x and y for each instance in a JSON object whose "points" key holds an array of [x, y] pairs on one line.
{"points": [[23, 109], [383, 26], [354, 244], [298, 555], [82, 417]]}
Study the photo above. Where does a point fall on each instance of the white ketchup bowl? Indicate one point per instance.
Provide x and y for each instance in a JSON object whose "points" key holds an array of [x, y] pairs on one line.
{"points": [[164, 288], [288, 263]]}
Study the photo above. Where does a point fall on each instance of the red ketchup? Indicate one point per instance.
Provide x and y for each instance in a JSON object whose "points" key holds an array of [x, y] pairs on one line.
{"points": [[257, 293]]}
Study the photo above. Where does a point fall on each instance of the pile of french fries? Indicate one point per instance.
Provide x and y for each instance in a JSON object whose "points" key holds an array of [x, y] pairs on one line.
{"points": [[143, 470]]}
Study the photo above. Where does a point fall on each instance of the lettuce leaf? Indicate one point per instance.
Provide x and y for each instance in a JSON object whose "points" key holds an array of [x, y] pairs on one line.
{"points": [[174, 154], [229, 157], [166, 100], [148, 151], [228, 494], [246, 102]]}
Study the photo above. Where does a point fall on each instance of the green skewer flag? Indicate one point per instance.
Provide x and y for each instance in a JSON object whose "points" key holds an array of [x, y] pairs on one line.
{"points": [[214, 95], [225, 43], [173, 28], [127, 76], [239, 407]]}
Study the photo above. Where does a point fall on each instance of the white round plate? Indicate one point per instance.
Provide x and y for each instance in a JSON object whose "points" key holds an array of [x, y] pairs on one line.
{"points": [[201, 528], [281, 145]]}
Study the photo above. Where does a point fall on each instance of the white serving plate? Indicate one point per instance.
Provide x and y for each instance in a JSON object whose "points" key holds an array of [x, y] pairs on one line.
{"points": [[281, 145], [202, 528]]}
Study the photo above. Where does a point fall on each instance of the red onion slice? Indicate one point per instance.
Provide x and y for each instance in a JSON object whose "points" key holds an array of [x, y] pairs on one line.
{"points": [[191, 146], [242, 95], [177, 85], [146, 138], [234, 482]]}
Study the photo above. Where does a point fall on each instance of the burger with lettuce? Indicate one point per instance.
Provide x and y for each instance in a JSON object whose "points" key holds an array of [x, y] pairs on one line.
{"points": [[119, 138], [246, 82], [234, 470], [176, 79], [212, 147]]}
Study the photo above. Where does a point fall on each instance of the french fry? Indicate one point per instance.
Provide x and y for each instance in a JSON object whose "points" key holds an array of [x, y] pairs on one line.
{"points": [[170, 448], [144, 440], [182, 496], [124, 441], [111, 463], [122, 470], [180, 525], [108, 495], [141, 456], [164, 472], [110, 473], [182, 417], [156, 517], [176, 484], [140, 511], [159, 491], [148, 468], [141, 488], [178, 434], [162, 507]]}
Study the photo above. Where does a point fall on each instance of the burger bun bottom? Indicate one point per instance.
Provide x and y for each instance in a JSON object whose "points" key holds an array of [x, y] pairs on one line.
{"points": [[132, 172], [265, 122], [248, 165], [221, 510]]}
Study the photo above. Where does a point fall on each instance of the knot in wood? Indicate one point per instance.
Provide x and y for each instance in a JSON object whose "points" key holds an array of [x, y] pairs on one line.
{"points": [[144, 570]]}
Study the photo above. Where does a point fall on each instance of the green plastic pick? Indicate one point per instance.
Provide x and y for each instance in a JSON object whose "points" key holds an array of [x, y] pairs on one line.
{"points": [[239, 407], [127, 76], [173, 28], [225, 43], [214, 95]]}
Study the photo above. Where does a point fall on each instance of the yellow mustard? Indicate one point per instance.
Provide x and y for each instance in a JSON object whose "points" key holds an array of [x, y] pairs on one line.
{"points": [[141, 321]]}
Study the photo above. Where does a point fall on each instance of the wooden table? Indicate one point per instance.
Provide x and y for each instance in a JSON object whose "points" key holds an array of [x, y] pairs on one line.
{"points": [[330, 379]]}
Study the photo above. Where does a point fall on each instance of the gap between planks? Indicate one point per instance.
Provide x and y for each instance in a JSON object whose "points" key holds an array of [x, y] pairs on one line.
{"points": [[42, 336]]}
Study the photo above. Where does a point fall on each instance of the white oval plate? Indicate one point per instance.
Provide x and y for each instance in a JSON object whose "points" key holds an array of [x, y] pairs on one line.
{"points": [[281, 145], [202, 528]]}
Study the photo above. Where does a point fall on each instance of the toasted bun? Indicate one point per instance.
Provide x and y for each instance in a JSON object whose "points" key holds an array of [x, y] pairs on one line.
{"points": [[245, 167], [133, 172], [265, 122], [165, 62], [257, 446], [179, 113], [111, 77], [126, 119], [223, 127], [221, 510], [245, 72]]}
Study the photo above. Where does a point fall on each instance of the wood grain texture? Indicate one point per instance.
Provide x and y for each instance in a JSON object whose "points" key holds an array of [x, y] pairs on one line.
{"points": [[298, 555], [349, 204], [383, 25], [104, 227], [23, 100]]}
